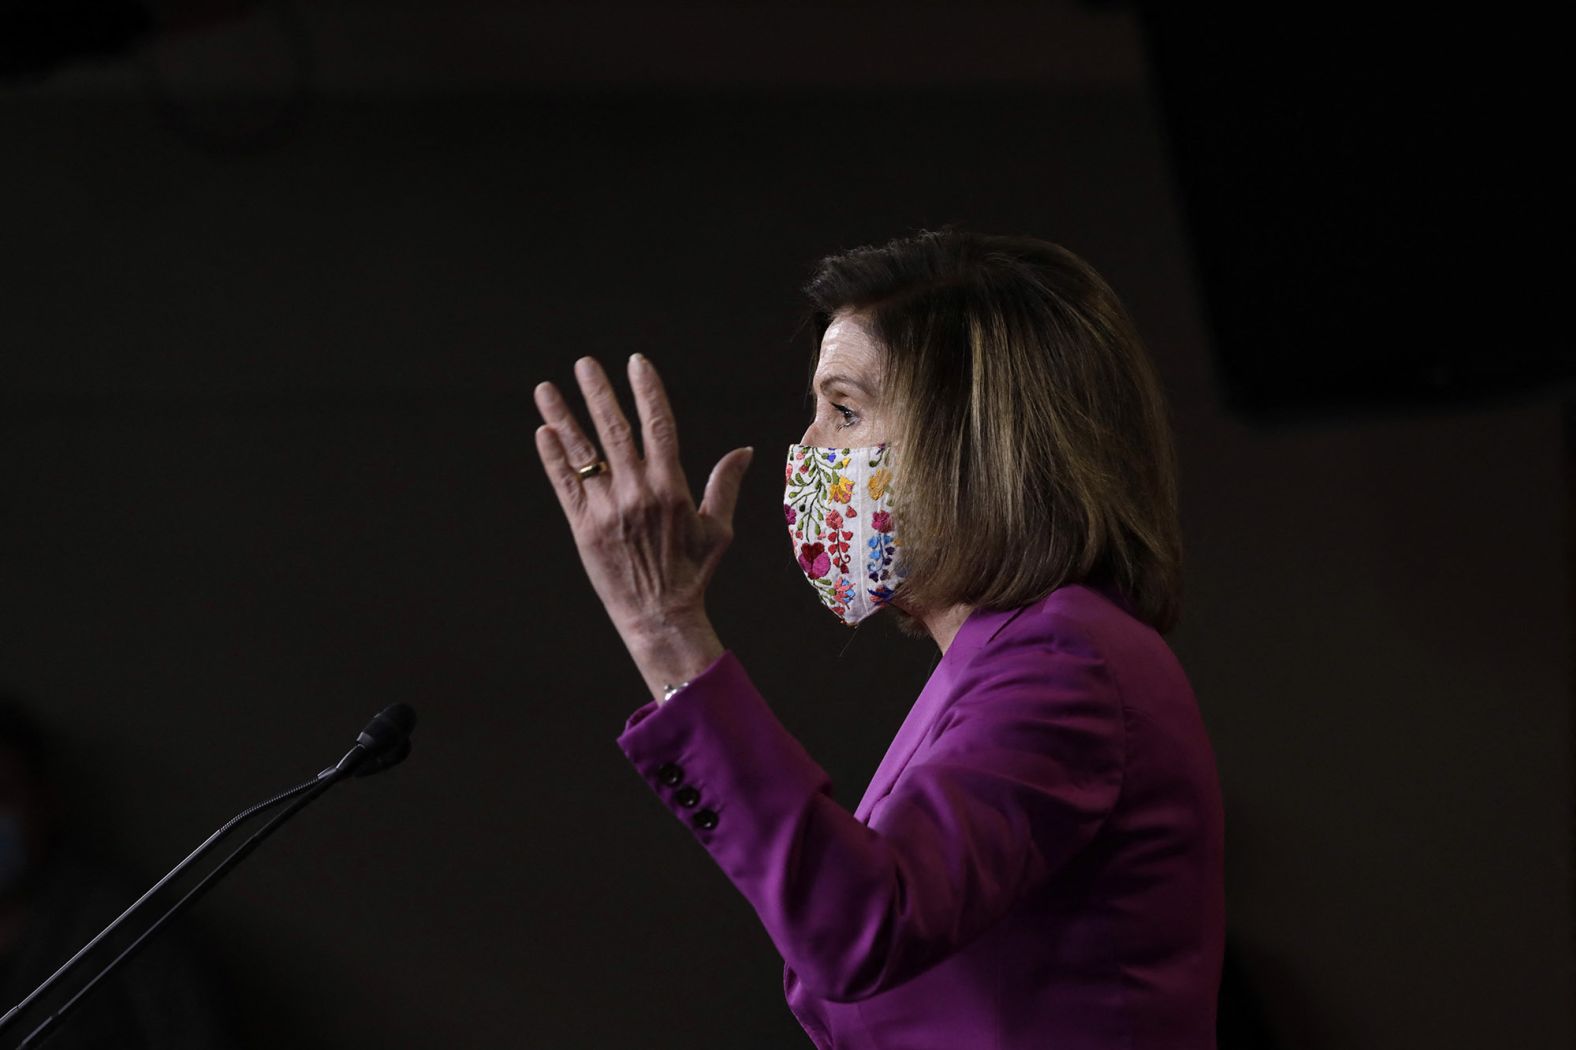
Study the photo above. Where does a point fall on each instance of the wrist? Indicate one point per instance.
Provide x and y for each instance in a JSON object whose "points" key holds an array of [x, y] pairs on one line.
{"points": [[671, 652], [662, 629]]}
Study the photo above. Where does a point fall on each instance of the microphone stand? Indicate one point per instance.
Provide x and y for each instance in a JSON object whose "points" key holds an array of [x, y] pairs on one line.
{"points": [[385, 742]]}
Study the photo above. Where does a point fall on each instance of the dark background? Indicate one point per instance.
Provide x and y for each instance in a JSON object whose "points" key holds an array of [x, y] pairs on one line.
{"points": [[273, 297]]}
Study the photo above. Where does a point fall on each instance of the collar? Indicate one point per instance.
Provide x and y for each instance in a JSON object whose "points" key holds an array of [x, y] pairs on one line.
{"points": [[983, 625]]}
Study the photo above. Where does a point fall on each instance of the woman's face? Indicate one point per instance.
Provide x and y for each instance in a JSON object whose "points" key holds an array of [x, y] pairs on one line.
{"points": [[847, 387]]}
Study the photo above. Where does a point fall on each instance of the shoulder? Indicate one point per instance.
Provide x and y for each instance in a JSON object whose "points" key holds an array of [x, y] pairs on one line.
{"points": [[1076, 617], [1038, 682]]}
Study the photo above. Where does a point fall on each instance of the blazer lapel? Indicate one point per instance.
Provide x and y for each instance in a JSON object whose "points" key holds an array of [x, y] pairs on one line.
{"points": [[981, 626], [903, 746]]}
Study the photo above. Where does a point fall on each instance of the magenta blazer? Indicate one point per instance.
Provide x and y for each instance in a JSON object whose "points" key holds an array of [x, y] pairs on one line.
{"points": [[1038, 862]]}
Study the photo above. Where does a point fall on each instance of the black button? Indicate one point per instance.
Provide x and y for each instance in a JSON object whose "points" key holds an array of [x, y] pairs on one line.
{"points": [[686, 796], [705, 819], [670, 773]]}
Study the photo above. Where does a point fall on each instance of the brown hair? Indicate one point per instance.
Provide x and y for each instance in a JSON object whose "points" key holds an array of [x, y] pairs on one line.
{"points": [[1025, 419]]}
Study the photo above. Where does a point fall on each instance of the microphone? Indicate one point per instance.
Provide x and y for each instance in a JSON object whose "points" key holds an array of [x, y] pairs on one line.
{"points": [[383, 744]]}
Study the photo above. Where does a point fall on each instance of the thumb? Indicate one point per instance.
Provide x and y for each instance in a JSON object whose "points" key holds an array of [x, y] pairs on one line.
{"points": [[722, 488]]}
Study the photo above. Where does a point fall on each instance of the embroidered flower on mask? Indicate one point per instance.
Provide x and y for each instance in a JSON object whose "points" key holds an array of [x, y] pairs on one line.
{"points": [[841, 489], [813, 560], [878, 482]]}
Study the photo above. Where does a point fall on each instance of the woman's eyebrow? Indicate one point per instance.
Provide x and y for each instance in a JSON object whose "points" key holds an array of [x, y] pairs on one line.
{"points": [[849, 381]]}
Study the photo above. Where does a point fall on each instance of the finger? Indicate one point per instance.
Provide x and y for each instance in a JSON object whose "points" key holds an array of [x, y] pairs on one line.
{"points": [[659, 436], [612, 429], [722, 488], [572, 440], [567, 486]]}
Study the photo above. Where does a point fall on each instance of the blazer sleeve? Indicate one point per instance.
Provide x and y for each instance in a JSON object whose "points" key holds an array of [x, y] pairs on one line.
{"points": [[1022, 769]]}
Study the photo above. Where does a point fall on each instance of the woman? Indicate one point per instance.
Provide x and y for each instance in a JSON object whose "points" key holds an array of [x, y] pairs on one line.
{"points": [[1038, 860]]}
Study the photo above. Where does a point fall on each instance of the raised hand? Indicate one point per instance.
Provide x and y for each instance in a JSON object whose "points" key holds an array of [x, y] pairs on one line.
{"points": [[648, 550]]}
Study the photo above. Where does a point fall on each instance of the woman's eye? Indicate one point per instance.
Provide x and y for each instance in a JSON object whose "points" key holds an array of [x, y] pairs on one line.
{"points": [[848, 415]]}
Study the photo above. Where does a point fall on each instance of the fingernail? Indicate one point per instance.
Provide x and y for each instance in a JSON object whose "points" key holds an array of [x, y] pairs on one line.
{"points": [[638, 359]]}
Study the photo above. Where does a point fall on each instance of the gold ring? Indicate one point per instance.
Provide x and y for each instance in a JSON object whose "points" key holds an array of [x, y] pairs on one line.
{"points": [[591, 470]]}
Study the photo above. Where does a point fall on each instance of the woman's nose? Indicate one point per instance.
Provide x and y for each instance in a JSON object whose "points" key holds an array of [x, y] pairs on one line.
{"points": [[808, 437]]}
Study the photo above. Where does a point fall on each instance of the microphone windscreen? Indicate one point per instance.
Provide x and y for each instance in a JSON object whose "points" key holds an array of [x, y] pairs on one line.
{"points": [[388, 728], [385, 741], [399, 715]]}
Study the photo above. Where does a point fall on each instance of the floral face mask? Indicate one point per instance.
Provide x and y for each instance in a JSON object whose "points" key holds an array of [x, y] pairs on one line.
{"points": [[838, 505]]}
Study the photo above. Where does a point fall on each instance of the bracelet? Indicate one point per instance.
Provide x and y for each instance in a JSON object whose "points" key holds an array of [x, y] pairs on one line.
{"points": [[669, 690]]}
